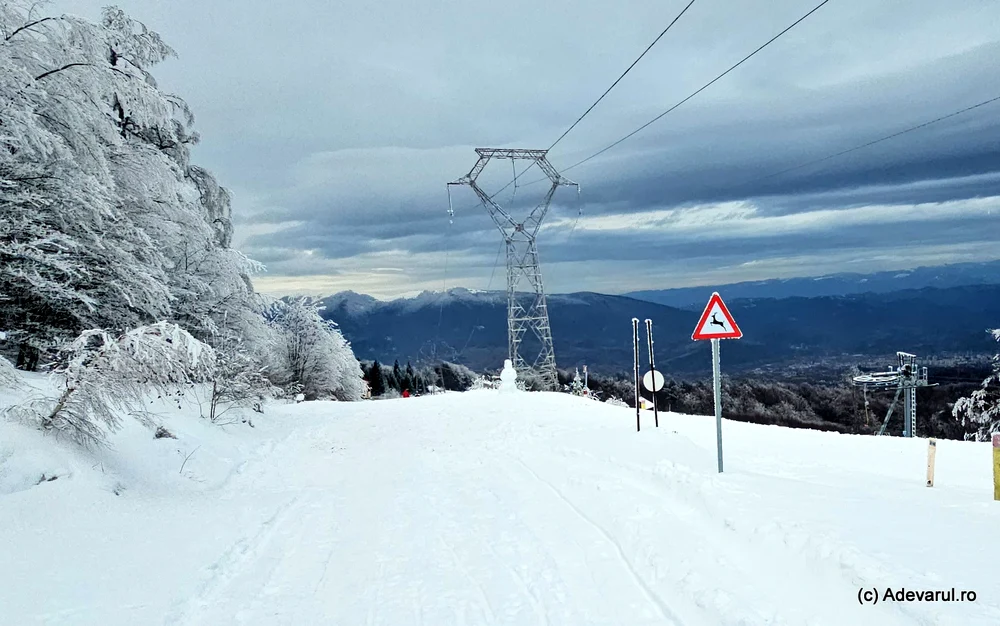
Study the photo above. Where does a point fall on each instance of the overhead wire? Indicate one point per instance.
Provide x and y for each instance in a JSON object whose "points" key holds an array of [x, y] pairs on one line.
{"points": [[496, 263], [696, 92], [623, 74], [596, 102], [877, 141]]}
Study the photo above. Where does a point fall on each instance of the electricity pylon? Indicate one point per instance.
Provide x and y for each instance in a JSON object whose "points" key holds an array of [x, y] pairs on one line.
{"points": [[524, 310]]}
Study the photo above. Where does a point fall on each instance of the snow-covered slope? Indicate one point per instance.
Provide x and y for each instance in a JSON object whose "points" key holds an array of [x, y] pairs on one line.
{"points": [[479, 508]]}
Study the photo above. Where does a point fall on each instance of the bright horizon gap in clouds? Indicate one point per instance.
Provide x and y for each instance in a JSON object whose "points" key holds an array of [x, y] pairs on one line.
{"points": [[338, 161], [321, 286]]}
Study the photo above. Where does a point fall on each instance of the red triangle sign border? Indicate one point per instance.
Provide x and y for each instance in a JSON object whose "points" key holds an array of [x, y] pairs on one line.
{"points": [[698, 334]]}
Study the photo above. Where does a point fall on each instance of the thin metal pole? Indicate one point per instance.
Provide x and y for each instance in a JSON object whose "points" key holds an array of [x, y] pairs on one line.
{"points": [[635, 337], [652, 368], [718, 398]]}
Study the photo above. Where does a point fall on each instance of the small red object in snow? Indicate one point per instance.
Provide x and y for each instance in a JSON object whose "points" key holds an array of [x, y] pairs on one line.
{"points": [[406, 393]]}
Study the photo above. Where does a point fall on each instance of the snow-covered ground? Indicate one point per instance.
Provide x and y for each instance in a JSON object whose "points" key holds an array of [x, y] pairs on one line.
{"points": [[480, 508]]}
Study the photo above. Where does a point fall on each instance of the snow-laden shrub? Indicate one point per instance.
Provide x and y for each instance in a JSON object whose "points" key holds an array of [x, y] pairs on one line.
{"points": [[105, 376], [8, 375], [482, 382], [982, 408], [613, 401], [240, 378]]}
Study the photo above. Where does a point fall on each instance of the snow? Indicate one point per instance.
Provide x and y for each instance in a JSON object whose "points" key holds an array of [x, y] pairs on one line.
{"points": [[480, 508]]}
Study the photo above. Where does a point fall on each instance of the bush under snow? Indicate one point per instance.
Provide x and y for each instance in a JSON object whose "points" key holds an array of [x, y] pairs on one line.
{"points": [[105, 376]]}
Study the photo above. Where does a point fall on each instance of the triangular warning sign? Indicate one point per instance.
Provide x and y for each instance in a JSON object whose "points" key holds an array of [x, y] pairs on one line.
{"points": [[716, 322]]}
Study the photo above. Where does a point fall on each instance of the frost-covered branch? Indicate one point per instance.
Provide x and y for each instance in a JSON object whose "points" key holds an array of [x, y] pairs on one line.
{"points": [[982, 407], [105, 376]]}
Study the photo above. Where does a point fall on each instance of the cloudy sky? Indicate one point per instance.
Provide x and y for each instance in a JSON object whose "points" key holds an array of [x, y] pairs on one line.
{"points": [[338, 124]]}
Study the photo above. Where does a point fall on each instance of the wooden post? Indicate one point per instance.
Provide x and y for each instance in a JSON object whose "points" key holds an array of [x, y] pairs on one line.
{"points": [[996, 467], [931, 451]]}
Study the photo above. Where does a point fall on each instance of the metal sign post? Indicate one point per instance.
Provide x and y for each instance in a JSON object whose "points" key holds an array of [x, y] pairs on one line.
{"points": [[717, 393], [710, 326], [652, 368], [635, 338]]}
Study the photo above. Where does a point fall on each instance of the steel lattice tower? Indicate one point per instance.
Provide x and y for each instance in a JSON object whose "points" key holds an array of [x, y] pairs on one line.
{"points": [[525, 310]]}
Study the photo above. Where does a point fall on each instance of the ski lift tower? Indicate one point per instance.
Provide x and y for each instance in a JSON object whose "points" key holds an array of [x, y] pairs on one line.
{"points": [[906, 379], [528, 310]]}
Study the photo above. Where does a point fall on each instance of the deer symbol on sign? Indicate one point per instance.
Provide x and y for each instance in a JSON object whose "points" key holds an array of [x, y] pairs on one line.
{"points": [[716, 322]]}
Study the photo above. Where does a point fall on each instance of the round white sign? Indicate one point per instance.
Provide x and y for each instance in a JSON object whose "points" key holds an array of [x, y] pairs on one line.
{"points": [[649, 383]]}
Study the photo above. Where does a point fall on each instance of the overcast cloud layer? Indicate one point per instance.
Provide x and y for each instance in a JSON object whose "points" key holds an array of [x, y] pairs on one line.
{"points": [[337, 125]]}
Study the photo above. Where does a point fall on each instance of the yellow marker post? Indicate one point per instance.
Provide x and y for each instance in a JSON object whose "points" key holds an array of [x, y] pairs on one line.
{"points": [[996, 467], [931, 451]]}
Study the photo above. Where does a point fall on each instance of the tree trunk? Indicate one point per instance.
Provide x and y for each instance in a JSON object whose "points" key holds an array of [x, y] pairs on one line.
{"points": [[27, 357], [47, 422]]}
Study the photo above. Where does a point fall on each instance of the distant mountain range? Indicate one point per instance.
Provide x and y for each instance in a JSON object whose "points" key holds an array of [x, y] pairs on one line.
{"points": [[943, 276], [469, 327]]}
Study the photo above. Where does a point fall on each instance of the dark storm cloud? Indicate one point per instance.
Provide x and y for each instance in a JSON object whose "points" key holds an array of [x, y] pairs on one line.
{"points": [[337, 126]]}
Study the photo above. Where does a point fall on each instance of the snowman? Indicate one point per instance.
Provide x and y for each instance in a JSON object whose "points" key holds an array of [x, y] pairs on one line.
{"points": [[508, 377]]}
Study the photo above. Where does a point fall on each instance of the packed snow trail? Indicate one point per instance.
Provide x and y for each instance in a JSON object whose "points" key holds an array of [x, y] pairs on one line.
{"points": [[548, 509]]}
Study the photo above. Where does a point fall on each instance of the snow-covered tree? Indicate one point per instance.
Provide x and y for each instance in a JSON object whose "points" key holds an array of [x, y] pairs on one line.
{"points": [[238, 382], [982, 408], [313, 353], [576, 387], [106, 375], [240, 379], [104, 222]]}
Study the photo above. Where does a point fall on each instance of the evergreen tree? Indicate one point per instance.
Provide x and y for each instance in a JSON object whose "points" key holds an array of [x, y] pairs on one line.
{"points": [[375, 379], [408, 378], [397, 375]]}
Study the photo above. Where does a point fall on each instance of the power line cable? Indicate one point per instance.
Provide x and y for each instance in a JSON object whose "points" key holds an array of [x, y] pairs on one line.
{"points": [[618, 80], [596, 102], [876, 141], [698, 91]]}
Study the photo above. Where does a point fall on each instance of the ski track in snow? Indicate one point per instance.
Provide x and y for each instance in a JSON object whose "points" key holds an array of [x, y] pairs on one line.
{"points": [[450, 542], [239, 557], [462, 510]]}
